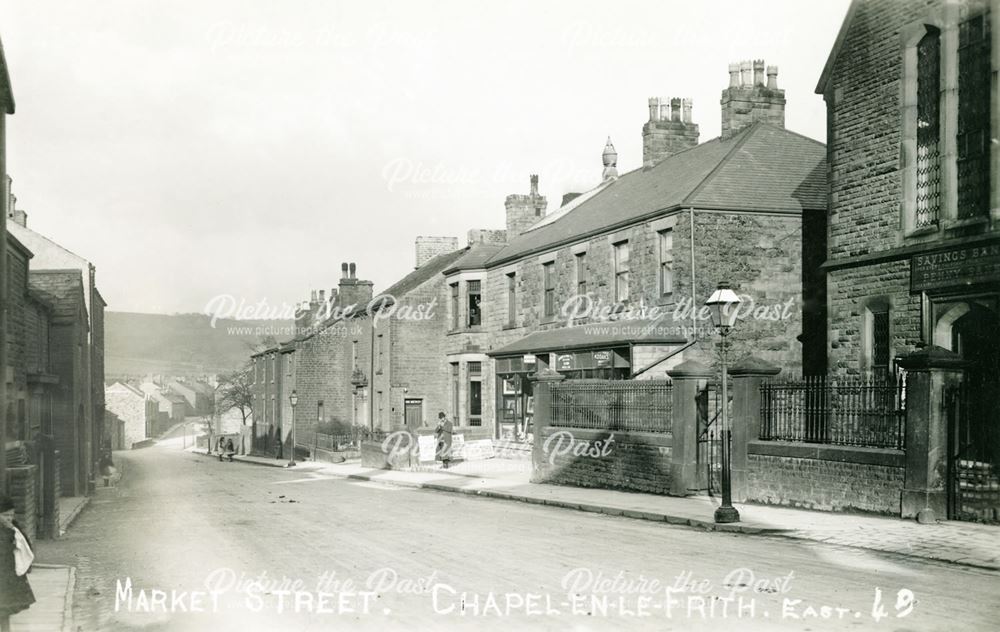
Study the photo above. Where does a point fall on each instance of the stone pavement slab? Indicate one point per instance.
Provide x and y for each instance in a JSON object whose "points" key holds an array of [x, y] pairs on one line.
{"points": [[53, 608]]}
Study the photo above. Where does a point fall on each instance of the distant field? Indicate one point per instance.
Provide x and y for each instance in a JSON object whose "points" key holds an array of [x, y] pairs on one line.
{"points": [[182, 344]]}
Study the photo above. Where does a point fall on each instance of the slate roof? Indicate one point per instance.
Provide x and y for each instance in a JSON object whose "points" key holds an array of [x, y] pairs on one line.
{"points": [[424, 273], [61, 289], [605, 334], [475, 257], [6, 94], [763, 168]]}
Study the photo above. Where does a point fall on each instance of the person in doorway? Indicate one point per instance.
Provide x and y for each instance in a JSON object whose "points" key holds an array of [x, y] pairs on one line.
{"points": [[230, 449], [443, 433], [221, 446], [15, 559]]}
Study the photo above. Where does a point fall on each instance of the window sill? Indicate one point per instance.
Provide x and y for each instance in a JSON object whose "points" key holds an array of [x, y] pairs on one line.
{"points": [[922, 231], [666, 300], [958, 224], [548, 320], [509, 326]]}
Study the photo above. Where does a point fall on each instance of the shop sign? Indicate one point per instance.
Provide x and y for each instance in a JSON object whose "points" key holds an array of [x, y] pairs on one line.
{"points": [[602, 359], [565, 362]]}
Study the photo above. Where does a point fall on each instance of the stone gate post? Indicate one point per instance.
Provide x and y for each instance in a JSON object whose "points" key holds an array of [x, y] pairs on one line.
{"points": [[931, 372], [542, 390], [748, 374], [687, 378]]}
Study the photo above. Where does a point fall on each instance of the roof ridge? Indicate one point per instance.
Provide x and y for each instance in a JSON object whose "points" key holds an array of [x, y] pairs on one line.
{"points": [[741, 139]]}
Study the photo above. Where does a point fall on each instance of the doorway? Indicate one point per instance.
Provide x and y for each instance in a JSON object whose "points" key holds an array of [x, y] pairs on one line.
{"points": [[413, 413]]}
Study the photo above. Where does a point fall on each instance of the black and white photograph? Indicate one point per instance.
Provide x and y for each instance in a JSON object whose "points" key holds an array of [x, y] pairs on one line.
{"points": [[462, 315]]}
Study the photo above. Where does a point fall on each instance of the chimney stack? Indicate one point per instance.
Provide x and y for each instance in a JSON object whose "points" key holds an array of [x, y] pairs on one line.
{"points": [[524, 210], [750, 100], [429, 247], [669, 129], [353, 291]]}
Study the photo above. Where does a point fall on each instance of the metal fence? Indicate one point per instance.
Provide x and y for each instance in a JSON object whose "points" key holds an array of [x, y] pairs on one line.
{"points": [[861, 411], [623, 405]]}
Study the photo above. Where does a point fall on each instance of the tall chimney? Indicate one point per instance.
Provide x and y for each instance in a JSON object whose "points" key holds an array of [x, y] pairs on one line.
{"points": [[343, 270], [524, 210], [752, 101], [353, 269], [670, 131], [429, 247]]}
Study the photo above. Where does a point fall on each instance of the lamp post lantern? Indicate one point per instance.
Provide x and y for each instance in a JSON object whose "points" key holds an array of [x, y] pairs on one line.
{"points": [[293, 399], [724, 306]]}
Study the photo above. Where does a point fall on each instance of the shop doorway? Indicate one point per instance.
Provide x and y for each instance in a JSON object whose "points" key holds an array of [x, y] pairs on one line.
{"points": [[413, 413], [516, 406]]}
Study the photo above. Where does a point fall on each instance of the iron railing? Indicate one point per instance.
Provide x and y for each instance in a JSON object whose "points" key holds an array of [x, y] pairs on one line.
{"points": [[622, 405], [860, 411]]}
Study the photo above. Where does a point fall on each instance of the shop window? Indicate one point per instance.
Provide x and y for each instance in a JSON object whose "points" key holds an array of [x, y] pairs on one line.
{"points": [[475, 304], [621, 271], [454, 305], [974, 82], [581, 274], [666, 243], [549, 280]]}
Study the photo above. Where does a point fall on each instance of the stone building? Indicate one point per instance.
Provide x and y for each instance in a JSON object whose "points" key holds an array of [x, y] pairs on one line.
{"points": [[611, 284], [134, 409], [52, 257], [913, 250]]}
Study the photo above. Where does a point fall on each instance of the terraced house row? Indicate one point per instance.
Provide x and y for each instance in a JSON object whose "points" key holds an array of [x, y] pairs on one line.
{"points": [[608, 285], [867, 355]]}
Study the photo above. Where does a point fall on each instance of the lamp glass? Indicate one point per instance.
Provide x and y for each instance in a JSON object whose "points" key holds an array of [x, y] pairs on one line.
{"points": [[293, 398], [724, 305]]}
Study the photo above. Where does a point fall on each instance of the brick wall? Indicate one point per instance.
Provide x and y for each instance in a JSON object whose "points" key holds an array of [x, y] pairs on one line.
{"points": [[632, 461], [865, 480]]}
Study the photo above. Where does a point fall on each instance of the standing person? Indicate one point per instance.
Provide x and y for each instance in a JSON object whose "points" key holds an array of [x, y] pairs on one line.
{"points": [[107, 466], [443, 433], [15, 592], [221, 446], [230, 449]]}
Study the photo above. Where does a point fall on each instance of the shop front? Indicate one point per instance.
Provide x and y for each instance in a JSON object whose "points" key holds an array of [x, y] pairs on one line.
{"points": [[577, 353]]}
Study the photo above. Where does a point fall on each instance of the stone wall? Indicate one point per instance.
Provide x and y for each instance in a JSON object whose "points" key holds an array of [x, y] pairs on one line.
{"points": [[828, 478], [631, 461]]}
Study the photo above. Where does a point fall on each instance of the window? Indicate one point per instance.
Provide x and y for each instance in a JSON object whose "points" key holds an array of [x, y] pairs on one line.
{"points": [[378, 346], [475, 301], [354, 354], [880, 354], [289, 359], [621, 271], [475, 393], [973, 138], [928, 196], [581, 273], [549, 279], [454, 390], [666, 239], [274, 367], [475, 368], [454, 305], [511, 298]]}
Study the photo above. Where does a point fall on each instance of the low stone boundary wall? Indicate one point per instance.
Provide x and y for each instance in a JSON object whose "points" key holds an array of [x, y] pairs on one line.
{"points": [[631, 461], [825, 477]]}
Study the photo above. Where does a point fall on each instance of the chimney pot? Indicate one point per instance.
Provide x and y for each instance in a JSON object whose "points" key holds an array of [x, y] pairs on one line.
{"points": [[745, 74], [686, 105], [734, 75], [322, 296], [758, 72], [534, 185], [772, 77], [343, 270], [654, 108], [353, 270], [675, 109], [664, 109]]}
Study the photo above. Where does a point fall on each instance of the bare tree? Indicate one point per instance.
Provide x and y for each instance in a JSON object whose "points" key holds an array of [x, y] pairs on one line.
{"points": [[234, 392]]}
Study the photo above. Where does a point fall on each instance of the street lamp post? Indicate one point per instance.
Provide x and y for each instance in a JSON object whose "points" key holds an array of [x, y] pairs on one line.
{"points": [[724, 306], [293, 399]]}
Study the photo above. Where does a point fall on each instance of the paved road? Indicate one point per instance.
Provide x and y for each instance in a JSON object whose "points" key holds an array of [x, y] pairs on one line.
{"points": [[404, 559]]}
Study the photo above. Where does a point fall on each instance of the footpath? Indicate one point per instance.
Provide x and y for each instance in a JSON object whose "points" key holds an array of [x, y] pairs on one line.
{"points": [[53, 584], [965, 543]]}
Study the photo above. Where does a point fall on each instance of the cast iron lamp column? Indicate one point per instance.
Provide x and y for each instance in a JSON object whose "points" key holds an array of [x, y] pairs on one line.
{"points": [[293, 399], [724, 306]]}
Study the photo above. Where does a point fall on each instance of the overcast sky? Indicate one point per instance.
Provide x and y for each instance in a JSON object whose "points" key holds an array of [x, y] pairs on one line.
{"points": [[197, 148]]}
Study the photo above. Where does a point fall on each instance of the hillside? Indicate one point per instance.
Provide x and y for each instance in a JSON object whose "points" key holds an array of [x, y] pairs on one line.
{"points": [[182, 344]]}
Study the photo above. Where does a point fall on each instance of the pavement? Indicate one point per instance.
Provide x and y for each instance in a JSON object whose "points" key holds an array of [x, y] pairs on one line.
{"points": [[966, 543]]}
